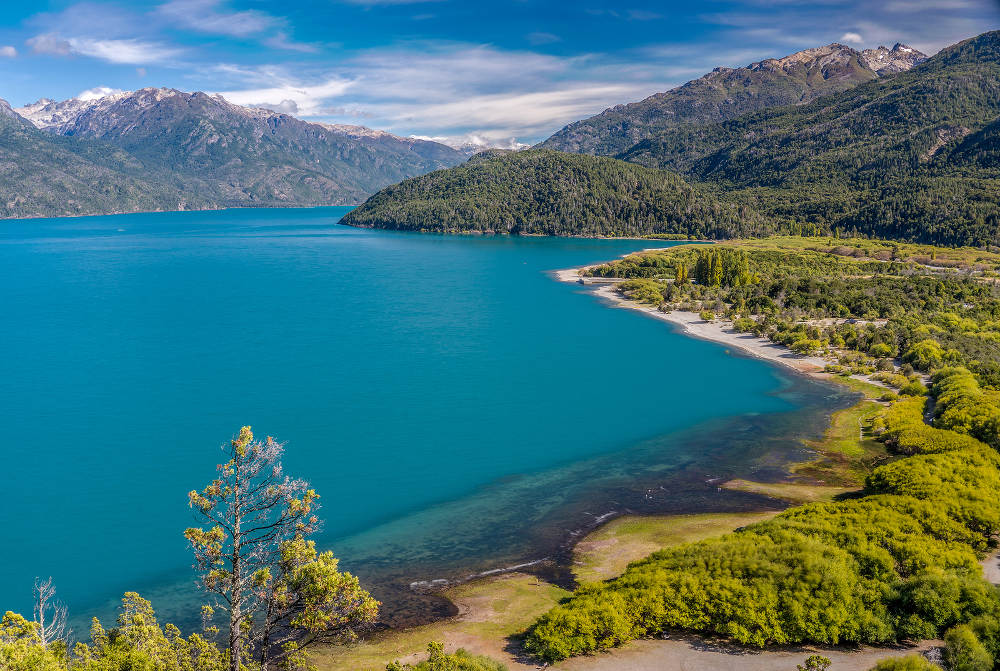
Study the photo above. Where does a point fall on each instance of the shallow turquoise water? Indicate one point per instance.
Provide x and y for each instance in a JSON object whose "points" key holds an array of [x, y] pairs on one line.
{"points": [[456, 408]]}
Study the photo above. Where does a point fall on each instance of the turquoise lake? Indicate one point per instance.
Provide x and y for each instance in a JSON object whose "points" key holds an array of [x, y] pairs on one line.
{"points": [[458, 409]]}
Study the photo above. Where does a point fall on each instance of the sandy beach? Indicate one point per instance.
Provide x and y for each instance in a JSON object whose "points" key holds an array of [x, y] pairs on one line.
{"points": [[721, 331]]}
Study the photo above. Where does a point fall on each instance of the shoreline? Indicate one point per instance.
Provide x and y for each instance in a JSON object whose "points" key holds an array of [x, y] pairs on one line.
{"points": [[719, 331], [472, 596], [692, 325]]}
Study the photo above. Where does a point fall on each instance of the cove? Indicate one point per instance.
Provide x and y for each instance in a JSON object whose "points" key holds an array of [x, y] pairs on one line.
{"points": [[458, 410]]}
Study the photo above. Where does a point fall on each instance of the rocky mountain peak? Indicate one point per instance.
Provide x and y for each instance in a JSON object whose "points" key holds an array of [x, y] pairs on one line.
{"points": [[888, 61], [830, 55], [355, 131]]}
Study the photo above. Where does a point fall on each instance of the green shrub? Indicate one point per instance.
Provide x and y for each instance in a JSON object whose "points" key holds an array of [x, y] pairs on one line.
{"points": [[964, 652], [925, 355], [914, 388], [881, 350], [964, 407], [439, 661], [898, 563], [908, 663], [707, 316], [641, 291], [806, 346]]}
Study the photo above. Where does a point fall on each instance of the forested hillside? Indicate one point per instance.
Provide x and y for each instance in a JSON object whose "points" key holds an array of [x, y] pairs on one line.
{"points": [[167, 149], [908, 156], [912, 156], [43, 174], [553, 193]]}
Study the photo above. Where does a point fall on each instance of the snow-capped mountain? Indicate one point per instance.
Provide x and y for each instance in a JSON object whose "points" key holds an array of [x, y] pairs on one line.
{"points": [[228, 155]]}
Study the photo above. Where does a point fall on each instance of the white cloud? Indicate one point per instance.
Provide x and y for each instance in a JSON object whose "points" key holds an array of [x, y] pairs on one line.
{"points": [[97, 92], [927, 25], [306, 100], [373, 3], [49, 43], [852, 38], [8, 52], [132, 52], [448, 90], [211, 16]]}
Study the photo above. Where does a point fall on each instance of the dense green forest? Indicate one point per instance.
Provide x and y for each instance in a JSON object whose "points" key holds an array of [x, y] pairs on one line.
{"points": [[910, 156], [542, 192], [899, 560]]}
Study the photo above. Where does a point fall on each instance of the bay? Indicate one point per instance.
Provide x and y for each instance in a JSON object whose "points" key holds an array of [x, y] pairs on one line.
{"points": [[458, 410]]}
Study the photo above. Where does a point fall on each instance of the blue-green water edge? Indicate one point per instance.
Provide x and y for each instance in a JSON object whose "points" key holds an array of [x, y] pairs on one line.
{"points": [[457, 409]]}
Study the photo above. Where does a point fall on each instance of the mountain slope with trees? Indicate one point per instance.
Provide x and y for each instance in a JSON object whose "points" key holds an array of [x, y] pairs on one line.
{"points": [[726, 93], [544, 192], [47, 175], [909, 156], [912, 156], [192, 150]]}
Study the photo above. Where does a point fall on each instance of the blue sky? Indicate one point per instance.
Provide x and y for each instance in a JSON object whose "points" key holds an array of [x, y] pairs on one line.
{"points": [[449, 69]]}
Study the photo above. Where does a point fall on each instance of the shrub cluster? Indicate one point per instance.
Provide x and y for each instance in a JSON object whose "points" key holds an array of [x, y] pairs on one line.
{"points": [[898, 563], [438, 660]]}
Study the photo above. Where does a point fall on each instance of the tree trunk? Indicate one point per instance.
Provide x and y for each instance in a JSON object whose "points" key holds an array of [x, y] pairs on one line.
{"points": [[235, 610]]}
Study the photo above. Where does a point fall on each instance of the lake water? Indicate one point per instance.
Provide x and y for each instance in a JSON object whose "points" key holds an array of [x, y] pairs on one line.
{"points": [[458, 410]]}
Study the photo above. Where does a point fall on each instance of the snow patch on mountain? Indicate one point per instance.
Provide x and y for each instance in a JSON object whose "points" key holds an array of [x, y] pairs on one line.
{"points": [[885, 61]]}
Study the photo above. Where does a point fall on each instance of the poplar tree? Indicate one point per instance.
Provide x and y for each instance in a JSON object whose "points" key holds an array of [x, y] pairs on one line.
{"points": [[281, 595]]}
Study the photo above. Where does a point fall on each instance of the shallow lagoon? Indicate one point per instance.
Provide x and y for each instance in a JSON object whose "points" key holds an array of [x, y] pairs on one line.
{"points": [[458, 410]]}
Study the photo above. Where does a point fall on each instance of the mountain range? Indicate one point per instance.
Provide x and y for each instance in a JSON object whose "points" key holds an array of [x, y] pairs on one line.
{"points": [[160, 148], [884, 142], [726, 93]]}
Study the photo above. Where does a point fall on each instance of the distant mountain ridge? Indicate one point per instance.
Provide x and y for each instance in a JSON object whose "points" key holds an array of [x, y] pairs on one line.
{"points": [[208, 152], [726, 93], [42, 174]]}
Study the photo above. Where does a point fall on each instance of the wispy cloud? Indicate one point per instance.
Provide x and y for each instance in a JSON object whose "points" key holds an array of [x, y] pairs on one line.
{"points": [[8, 52], [281, 40], [127, 51], [447, 90], [852, 38], [626, 14], [537, 39], [214, 17], [375, 3]]}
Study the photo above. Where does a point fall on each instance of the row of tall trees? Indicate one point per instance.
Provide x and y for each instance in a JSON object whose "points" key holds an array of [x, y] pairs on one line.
{"points": [[722, 267]]}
